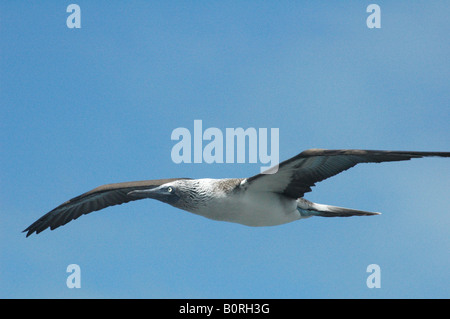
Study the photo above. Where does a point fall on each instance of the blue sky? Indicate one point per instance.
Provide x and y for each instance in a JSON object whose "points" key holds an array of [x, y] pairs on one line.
{"points": [[96, 105]]}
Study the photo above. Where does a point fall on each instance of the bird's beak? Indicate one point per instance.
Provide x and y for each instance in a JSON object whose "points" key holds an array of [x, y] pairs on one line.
{"points": [[160, 193], [148, 193]]}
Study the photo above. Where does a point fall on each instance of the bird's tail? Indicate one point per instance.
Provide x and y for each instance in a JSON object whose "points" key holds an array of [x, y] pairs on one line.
{"points": [[308, 209]]}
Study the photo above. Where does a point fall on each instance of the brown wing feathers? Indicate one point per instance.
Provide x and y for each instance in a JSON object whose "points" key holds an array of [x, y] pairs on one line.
{"points": [[96, 199]]}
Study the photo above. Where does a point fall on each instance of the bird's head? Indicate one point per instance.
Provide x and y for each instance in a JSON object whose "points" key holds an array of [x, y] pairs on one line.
{"points": [[180, 193]]}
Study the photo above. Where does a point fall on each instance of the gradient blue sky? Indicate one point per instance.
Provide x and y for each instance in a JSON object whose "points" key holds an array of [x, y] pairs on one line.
{"points": [[96, 105]]}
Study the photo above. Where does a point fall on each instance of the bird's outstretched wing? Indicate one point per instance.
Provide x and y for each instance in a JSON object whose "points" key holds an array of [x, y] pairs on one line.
{"points": [[297, 175], [96, 199]]}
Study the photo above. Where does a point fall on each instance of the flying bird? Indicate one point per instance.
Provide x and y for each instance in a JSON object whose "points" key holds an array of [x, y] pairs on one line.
{"points": [[261, 200]]}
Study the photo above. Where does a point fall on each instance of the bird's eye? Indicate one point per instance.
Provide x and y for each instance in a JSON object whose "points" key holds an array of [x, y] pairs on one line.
{"points": [[170, 189]]}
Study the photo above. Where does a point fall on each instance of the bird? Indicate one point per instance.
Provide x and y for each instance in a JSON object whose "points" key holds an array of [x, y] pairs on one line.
{"points": [[270, 198]]}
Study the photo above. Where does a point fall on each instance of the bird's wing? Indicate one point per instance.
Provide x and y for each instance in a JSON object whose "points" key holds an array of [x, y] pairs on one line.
{"points": [[96, 199], [297, 175]]}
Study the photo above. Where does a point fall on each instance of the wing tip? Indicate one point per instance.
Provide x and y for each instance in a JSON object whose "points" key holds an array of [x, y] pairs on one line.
{"points": [[28, 232], [37, 227], [323, 151]]}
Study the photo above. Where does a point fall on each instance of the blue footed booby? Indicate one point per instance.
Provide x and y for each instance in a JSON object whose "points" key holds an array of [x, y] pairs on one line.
{"points": [[260, 200]]}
